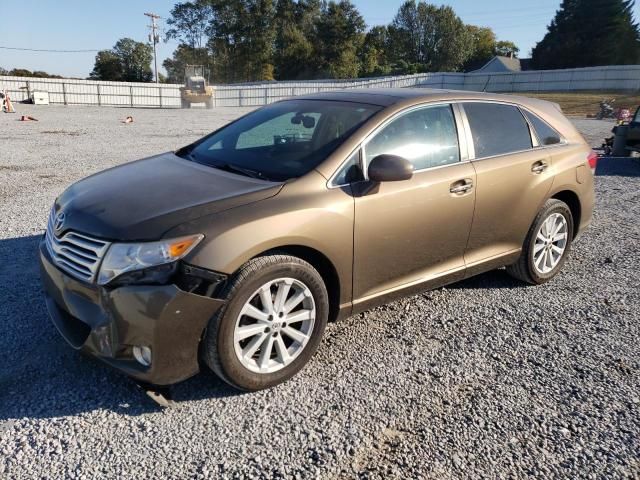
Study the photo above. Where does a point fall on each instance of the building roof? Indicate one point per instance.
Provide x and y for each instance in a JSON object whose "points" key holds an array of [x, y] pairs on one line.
{"points": [[501, 64]]}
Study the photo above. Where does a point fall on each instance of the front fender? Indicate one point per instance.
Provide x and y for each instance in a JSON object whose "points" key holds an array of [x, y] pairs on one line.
{"points": [[305, 214]]}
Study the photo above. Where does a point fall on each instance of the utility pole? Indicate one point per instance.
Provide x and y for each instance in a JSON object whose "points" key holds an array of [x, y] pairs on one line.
{"points": [[155, 38]]}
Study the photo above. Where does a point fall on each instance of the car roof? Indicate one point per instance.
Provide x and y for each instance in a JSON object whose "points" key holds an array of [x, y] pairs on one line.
{"points": [[386, 97]]}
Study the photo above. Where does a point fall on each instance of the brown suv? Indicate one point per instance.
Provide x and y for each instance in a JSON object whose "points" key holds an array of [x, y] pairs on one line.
{"points": [[239, 248]]}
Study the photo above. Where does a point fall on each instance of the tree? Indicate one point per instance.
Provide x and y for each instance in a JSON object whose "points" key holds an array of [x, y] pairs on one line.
{"points": [[128, 61], [505, 48], [374, 59], [484, 46], [250, 40], [185, 55], [430, 37], [240, 38], [107, 67], [189, 22], [23, 72], [295, 36], [588, 33], [136, 58], [404, 34], [340, 35]]}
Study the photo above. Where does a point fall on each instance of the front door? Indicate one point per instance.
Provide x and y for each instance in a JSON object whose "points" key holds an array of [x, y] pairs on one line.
{"points": [[410, 232]]}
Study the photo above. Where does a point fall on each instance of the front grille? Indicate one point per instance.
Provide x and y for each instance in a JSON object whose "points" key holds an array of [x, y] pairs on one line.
{"points": [[77, 254]]}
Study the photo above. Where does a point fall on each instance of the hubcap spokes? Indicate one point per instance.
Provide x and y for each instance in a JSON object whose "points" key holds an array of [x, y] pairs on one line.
{"points": [[274, 325], [550, 243]]}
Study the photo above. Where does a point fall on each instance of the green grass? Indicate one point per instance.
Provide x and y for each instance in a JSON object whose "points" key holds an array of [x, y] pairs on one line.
{"points": [[588, 103]]}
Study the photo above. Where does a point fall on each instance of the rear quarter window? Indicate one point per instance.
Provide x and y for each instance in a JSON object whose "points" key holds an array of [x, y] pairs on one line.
{"points": [[497, 129], [545, 133]]}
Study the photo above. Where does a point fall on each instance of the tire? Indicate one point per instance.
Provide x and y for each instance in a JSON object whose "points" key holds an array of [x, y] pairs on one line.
{"points": [[525, 268], [185, 104], [226, 356], [209, 103]]}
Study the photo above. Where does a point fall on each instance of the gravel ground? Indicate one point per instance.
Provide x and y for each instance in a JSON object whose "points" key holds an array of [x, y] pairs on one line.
{"points": [[487, 378]]}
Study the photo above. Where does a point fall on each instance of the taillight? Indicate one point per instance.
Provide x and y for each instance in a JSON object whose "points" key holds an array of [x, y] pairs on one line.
{"points": [[593, 161]]}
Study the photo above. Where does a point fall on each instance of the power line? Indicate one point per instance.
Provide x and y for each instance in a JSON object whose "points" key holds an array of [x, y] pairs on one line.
{"points": [[47, 50]]}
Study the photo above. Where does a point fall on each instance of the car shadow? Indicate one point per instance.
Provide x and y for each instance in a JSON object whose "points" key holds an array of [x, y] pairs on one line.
{"points": [[618, 167], [41, 376], [492, 279]]}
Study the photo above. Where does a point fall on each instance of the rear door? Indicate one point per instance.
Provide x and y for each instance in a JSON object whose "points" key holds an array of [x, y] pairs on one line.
{"points": [[416, 230], [513, 180]]}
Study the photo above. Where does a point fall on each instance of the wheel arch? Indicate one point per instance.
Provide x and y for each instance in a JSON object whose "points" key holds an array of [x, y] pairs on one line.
{"points": [[573, 202], [322, 264]]}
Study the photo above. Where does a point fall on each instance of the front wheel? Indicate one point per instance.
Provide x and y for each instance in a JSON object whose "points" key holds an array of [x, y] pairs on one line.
{"points": [[276, 312], [546, 246]]}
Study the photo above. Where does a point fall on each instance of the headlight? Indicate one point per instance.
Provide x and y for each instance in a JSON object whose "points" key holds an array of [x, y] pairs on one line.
{"points": [[128, 257]]}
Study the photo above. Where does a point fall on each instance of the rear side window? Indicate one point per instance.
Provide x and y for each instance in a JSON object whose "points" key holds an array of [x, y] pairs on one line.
{"points": [[497, 129], [427, 137], [546, 135]]}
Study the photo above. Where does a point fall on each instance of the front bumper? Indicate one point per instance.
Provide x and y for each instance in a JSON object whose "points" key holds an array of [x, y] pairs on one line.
{"points": [[107, 323]]}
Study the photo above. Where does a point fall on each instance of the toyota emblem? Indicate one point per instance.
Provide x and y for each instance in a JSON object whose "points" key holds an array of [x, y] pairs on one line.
{"points": [[59, 222]]}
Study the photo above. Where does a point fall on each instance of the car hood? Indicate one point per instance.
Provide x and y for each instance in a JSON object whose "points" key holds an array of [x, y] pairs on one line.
{"points": [[141, 200]]}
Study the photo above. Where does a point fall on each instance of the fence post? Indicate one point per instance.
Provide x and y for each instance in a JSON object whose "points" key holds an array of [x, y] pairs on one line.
{"points": [[266, 95], [28, 90], [160, 95], [131, 95], [539, 81], [99, 93], [571, 80], [64, 93]]}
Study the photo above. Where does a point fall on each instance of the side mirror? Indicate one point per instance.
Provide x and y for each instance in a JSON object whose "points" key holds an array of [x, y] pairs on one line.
{"points": [[390, 168]]}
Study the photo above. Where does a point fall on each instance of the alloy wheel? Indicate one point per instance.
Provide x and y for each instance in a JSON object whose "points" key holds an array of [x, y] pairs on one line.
{"points": [[274, 325], [550, 244]]}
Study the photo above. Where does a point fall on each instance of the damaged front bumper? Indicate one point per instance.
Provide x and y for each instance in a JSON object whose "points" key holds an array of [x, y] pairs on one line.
{"points": [[109, 323]]}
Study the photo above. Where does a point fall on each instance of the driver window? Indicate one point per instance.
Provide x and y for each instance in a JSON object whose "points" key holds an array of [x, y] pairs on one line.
{"points": [[426, 137], [285, 129]]}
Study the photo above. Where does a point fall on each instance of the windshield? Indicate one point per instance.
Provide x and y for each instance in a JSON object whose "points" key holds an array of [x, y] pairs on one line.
{"points": [[281, 141]]}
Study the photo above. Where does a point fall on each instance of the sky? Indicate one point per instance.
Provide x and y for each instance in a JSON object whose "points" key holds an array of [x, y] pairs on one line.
{"points": [[92, 25]]}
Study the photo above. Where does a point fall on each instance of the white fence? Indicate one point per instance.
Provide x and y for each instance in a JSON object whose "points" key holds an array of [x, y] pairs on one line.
{"points": [[88, 92]]}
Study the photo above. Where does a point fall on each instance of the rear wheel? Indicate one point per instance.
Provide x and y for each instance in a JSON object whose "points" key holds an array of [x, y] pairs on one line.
{"points": [[209, 103], [547, 245], [185, 104], [276, 312]]}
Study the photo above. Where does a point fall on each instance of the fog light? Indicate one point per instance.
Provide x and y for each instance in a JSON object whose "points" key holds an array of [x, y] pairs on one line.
{"points": [[142, 355]]}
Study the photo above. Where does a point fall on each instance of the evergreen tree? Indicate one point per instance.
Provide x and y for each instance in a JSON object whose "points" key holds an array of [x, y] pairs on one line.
{"points": [[295, 39], [587, 33], [340, 35]]}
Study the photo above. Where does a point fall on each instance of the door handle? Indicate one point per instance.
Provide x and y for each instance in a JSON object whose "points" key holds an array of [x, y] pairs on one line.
{"points": [[460, 187], [539, 167]]}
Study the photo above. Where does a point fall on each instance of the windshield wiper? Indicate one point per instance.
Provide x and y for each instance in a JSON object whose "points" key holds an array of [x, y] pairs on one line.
{"points": [[247, 172]]}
